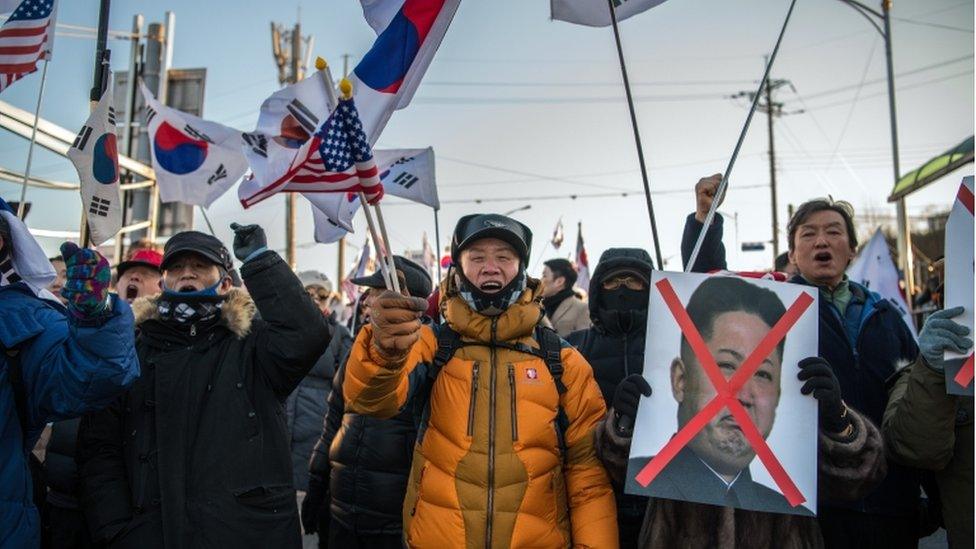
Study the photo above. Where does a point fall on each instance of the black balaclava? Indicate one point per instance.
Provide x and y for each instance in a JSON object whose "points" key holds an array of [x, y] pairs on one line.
{"points": [[623, 310], [491, 304]]}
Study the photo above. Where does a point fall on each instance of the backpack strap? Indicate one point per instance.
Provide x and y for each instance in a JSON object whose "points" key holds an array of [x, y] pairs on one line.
{"points": [[551, 346]]}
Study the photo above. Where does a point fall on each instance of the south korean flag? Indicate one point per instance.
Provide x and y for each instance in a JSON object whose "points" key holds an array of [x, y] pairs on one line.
{"points": [[95, 155]]}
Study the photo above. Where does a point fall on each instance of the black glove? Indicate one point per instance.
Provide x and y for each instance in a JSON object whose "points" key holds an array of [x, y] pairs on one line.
{"points": [[249, 241], [315, 503], [625, 400], [819, 379]]}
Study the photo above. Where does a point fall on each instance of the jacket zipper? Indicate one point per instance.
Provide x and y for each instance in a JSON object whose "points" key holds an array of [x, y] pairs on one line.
{"points": [[473, 400], [491, 438], [514, 413], [193, 330]]}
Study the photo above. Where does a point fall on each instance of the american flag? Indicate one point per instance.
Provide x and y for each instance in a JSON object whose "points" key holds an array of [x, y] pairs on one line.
{"points": [[337, 158], [26, 38]]}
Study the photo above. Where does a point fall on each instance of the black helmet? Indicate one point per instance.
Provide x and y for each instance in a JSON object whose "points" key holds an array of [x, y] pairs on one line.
{"points": [[477, 226]]}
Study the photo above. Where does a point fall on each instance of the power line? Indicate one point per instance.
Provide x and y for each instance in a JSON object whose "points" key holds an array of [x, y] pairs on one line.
{"points": [[899, 75], [900, 88], [935, 25]]}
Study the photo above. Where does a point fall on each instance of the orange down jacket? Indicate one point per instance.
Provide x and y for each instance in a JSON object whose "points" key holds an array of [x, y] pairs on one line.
{"points": [[487, 469]]}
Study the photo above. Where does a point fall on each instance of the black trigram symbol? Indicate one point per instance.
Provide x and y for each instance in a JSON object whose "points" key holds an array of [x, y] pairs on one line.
{"points": [[99, 206], [221, 173], [198, 134], [406, 180], [258, 143], [111, 115], [403, 160], [303, 116], [82, 139], [150, 114]]}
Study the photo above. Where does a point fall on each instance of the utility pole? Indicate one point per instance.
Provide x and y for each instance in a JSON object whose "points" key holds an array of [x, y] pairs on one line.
{"points": [[290, 51], [772, 109]]}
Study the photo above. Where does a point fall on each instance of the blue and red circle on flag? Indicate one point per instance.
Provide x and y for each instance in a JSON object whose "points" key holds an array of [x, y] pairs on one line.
{"points": [[105, 159], [176, 152]]}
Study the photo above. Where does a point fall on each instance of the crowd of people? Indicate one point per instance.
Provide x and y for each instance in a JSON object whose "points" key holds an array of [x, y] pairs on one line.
{"points": [[192, 407]]}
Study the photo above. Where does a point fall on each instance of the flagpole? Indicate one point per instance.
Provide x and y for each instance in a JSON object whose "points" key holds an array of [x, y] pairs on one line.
{"points": [[386, 240], [637, 139], [377, 243], [21, 208], [207, 219], [437, 242]]}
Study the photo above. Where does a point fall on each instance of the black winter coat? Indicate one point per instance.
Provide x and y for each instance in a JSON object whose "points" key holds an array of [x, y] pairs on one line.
{"points": [[196, 453], [366, 462], [862, 367], [60, 470], [306, 405], [614, 347]]}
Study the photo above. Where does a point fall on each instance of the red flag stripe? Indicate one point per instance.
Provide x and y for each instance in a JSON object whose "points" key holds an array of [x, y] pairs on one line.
{"points": [[965, 375], [966, 197], [23, 31]]}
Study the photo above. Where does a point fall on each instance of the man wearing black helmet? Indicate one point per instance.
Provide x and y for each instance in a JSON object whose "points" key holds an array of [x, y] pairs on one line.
{"points": [[196, 453], [506, 410]]}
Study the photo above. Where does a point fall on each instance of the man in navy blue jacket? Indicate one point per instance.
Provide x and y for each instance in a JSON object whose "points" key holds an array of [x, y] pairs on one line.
{"points": [[862, 338], [56, 363]]}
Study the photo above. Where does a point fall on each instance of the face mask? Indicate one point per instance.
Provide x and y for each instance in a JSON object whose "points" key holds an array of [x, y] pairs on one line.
{"points": [[491, 304], [190, 307], [624, 299], [623, 310]]}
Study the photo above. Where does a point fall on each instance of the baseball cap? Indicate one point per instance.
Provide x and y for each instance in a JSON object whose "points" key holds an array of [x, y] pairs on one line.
{"points": [[419, 283], [477, 226], [141, 258], [199, 243], [315, 278]]}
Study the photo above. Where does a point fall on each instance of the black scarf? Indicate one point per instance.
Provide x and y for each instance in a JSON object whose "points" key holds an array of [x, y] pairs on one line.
{"points": [[553, 302], [175, 308]]}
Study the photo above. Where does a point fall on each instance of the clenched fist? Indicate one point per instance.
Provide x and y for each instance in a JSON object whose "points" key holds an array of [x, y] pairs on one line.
{"points": [[705, 191], [396, 324]]}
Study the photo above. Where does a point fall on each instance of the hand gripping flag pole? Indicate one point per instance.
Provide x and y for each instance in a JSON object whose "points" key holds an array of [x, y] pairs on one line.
{"points": [[720, 193]]}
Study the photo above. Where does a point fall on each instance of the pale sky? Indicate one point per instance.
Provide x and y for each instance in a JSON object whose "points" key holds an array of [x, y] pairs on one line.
{"points": [[519, 107]]}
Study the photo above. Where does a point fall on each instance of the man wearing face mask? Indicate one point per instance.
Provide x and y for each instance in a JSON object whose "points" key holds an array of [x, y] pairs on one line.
{"points": [[196, 453], [614, 345], [505, 453]]}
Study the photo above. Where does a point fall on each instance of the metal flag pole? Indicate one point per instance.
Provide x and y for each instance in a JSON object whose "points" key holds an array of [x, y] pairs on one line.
{"points": [[207, 219], [637, 139], [21, 208], [437, 242], [735, 153]]}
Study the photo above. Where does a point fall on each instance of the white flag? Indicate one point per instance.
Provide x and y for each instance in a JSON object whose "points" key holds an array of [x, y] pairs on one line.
{"points": [[195, 160], [408, 35], [596, 13], [409, 173], [874, 269], [331, 226], [288, 118], [95, 154]]}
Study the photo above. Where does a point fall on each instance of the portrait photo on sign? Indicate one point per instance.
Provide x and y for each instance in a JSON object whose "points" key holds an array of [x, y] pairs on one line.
{"points": [[726, 423]]}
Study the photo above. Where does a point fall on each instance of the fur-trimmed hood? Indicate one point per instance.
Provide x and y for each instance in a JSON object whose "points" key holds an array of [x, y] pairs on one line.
{"points": [[237, 312]]}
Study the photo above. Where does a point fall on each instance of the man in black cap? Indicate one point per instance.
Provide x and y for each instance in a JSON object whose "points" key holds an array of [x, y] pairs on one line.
{"points": [[196, 453], [362, 458], [506, 410]]}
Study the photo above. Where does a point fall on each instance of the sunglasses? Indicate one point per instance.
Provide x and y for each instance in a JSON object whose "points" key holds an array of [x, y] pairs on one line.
{"points": [[631, 282]]}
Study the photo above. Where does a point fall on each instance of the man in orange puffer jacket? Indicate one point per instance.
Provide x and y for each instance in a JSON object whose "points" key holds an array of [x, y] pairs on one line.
{"points": [[505, 452]]}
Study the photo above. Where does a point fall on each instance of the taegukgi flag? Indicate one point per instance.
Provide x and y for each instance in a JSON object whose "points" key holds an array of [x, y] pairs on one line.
{"points": [[596, 13], [95, 155], [195, 160], [875, 269], [333, 214], [287, 119], [408, 35]]}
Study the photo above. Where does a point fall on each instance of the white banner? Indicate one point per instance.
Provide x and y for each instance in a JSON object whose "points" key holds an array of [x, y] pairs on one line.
{"points": [[874, 269], [596, 13]]}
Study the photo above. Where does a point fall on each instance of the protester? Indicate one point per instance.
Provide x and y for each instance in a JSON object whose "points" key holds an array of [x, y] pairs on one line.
{"points": [[861, 336], [55, 287], [196, 452], [565, 310], [614, 346], [58, 362], [927, 428], [782, 265], [505, 450], [139, 275], [359, 468], [306, 405]]}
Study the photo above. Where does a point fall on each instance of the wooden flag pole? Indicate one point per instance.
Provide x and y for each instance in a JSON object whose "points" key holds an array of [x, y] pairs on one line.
{"points": [[379, 244], [637, 139], [437, 242], [22, 207], [386, 240], [720, 193]]}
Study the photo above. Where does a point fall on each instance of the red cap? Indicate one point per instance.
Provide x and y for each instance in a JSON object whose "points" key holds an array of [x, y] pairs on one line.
{"points": [[144, 258]]}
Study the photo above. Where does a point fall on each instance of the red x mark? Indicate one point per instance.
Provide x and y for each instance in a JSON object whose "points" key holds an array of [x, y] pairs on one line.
{"points": [[727, 391], [965, 375]]}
